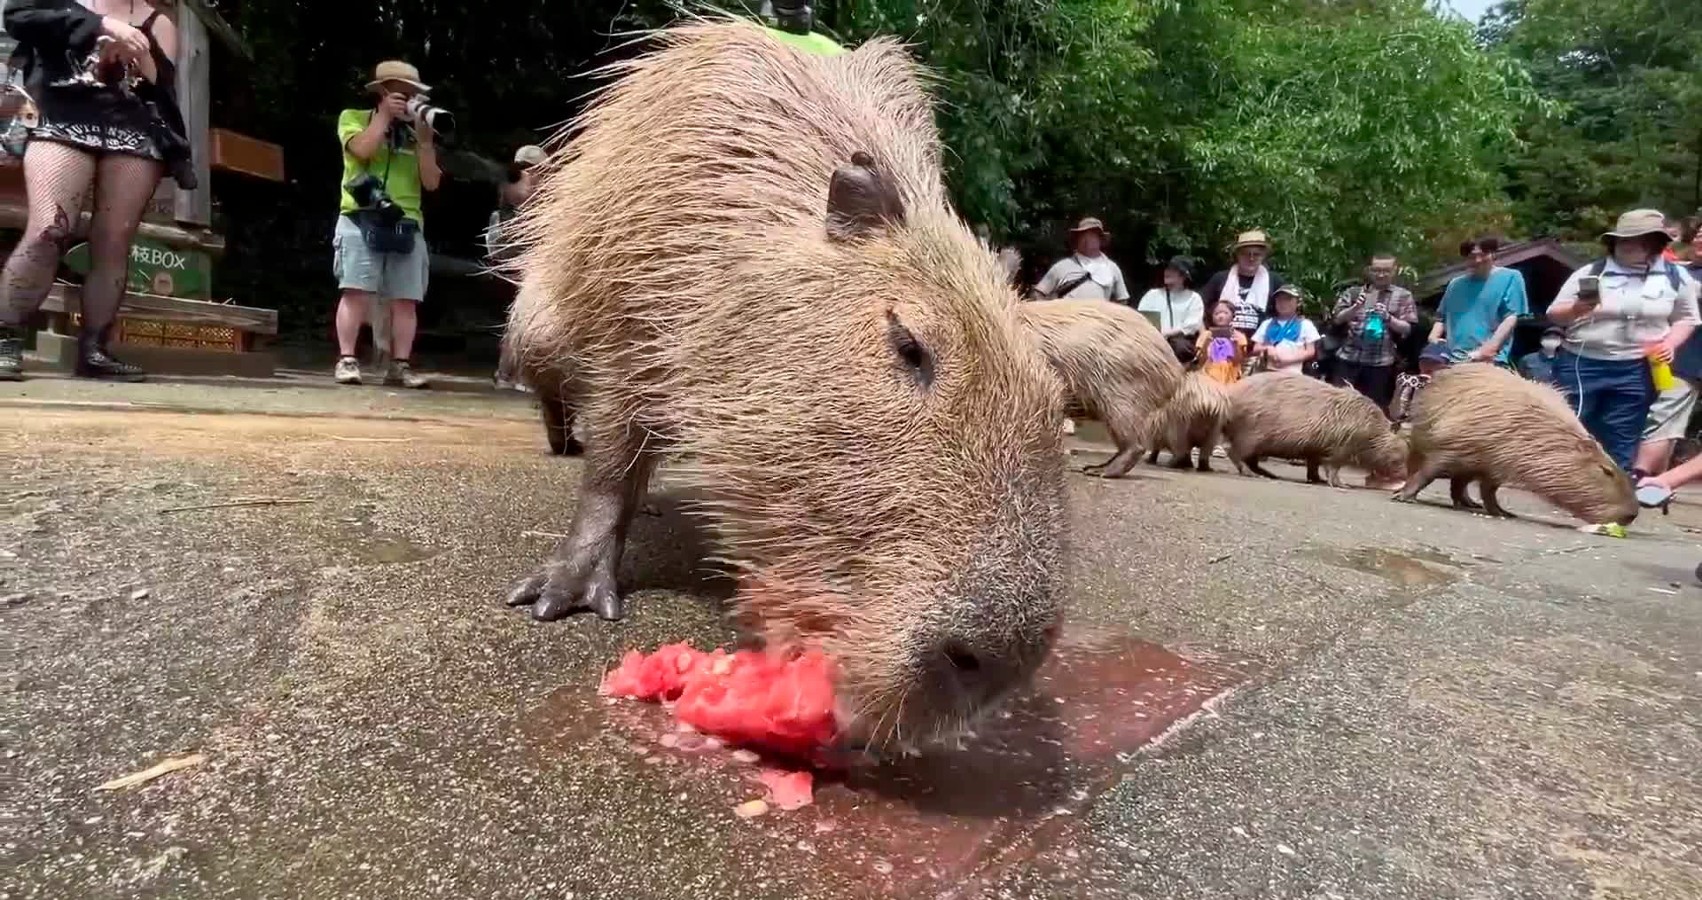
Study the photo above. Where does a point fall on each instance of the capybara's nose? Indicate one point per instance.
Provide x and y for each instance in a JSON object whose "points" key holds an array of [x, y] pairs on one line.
{"points": [[975, 672]]}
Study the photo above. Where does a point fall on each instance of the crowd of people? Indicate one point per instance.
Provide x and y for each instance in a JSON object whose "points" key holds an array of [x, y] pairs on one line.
{"points": [[1620, 344]]}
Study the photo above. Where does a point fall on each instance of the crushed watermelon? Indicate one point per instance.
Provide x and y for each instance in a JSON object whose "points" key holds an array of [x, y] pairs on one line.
{"points": [[781, 704]]}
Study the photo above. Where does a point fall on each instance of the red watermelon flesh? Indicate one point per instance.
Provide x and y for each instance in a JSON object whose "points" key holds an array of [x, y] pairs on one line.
{"points": [[783, 704]]}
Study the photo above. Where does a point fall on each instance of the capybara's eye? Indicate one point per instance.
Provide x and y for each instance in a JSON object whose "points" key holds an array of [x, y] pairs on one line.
{"points": [[917, 361]]}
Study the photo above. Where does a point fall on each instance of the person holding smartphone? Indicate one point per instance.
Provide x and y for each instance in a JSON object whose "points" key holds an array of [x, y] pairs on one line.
{"points": [[1625, 315]]}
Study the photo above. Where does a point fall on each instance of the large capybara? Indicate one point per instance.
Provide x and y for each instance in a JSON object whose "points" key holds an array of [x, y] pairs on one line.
{"points": [[1294, 416], [1115, 367], [746, 259], [1192, 420], [1480, 422]]}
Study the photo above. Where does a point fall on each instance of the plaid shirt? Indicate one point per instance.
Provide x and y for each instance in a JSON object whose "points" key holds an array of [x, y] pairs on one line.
{"points": [[1397, 303]]}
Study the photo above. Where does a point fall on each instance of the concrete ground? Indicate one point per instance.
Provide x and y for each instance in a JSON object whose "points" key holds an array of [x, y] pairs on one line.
{"points": [[1399, 702]]}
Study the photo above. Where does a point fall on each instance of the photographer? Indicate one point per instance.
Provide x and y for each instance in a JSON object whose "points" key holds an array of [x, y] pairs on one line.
{"points": [[379, 250]]}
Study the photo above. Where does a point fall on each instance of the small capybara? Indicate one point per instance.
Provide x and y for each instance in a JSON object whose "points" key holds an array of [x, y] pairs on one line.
{"points": [[1115, 367], [1294, 416], [1192, 420], [745, 259], [547, 384], [1480, 422]]}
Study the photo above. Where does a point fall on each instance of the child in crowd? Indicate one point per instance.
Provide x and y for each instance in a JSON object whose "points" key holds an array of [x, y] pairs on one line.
{"points": [[1220, 350], [1287, 340]]}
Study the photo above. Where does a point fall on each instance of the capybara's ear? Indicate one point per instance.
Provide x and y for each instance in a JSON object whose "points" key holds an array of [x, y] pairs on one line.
{"points": [[861, 200]]}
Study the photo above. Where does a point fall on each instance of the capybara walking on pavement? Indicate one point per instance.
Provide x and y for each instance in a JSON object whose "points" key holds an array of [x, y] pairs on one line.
{"points": [[1480, 422], [746, 260], [1293, 416], [1115, 367], [1192, 420]]}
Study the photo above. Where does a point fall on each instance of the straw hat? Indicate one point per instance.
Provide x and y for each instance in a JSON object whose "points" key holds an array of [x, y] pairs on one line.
{"points": [[1254, 238], [396, 70], [1090, 224], [1637, 223]]}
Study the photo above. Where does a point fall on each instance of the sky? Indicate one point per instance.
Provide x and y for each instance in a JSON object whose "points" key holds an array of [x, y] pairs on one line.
{"points": [[1471, 9]]}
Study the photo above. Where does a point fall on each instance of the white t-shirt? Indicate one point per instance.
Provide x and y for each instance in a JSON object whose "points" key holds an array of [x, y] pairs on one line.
{"points": [[1176, 309], [1295, 334], [1105, 281]]}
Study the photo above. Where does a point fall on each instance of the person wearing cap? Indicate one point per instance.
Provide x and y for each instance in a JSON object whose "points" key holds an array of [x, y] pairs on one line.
{"points": [[374, 262], [1625, 316], [1287, 340], [521, 181], [1538, 365], [1087, 273], [1376, 314], [1249, 284], [1178, 310], [794, 25], [1480, 308]]}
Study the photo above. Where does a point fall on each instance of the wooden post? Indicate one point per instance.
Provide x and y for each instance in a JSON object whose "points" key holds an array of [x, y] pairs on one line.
{"points": [[194, 74]]}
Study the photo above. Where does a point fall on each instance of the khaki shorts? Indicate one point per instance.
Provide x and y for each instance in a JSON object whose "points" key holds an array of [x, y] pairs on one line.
{"points": [[1671, 413]]}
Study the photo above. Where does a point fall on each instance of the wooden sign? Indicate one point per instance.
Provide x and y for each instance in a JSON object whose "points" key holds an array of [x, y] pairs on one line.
{"points": [[157, 269], [233, 152]]}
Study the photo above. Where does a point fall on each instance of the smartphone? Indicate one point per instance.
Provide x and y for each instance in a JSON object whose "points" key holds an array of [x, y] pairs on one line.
{"points": [[1589, 286]]}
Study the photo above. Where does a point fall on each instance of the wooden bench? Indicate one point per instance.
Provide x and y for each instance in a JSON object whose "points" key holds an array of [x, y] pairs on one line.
{"points": [[172, 334]]}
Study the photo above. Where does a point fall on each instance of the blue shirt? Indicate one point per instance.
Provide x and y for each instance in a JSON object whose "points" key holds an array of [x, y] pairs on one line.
{"points": [[1472, 308]]}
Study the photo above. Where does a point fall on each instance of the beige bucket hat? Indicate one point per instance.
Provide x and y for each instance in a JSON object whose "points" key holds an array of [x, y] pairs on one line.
{"points": [[396, 70], [530, 155], [1637, 223], [1090, 224]]}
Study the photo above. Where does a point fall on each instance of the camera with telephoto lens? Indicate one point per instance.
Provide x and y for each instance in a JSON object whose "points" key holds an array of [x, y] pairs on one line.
{"points": [[438, 119], [371, 199]]}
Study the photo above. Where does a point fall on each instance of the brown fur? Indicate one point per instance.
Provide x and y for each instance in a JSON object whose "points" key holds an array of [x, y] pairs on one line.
{"points": [[1479, 422], [1293, 416], [681, 283], [1114, 364], [1192, 420]]}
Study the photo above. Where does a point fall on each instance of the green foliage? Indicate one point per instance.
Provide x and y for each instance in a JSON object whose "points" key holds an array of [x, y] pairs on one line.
{"points": [[1628, 133]]}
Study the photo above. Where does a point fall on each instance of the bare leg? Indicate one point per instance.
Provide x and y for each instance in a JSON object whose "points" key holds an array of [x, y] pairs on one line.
{"points": [[1492, 503], [1457, 492], [1420, 479], [580, 574], [352, 309], [404, 322]]}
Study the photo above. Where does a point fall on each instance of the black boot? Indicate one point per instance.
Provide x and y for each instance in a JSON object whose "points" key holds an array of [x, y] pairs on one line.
{"points": [[94, 362], [11, 354]]}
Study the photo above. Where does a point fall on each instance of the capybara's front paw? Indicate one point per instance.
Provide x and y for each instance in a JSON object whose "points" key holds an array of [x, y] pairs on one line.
{"points": [[554, 593]]}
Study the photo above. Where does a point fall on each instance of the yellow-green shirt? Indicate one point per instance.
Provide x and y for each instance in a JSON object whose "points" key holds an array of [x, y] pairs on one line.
{"points": [[398, 168], [809, 43]]}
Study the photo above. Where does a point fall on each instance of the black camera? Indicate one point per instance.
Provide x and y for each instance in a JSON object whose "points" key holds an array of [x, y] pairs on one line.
{"points": [[371, 199]]}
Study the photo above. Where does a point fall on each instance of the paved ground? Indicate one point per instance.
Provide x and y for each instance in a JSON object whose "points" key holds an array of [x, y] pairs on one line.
{"points": [[1429, 704]]}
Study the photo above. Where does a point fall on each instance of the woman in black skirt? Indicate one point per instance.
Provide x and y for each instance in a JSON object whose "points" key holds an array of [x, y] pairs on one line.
{"points": [[101, 74]]}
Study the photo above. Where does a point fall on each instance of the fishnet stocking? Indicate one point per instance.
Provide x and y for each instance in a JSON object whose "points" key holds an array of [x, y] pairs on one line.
{"points": [[123, 186], [57, 179]]}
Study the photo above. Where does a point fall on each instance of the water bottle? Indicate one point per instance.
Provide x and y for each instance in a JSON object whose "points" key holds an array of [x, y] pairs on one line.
{"points": [[1660, 371], [1374, 326]]}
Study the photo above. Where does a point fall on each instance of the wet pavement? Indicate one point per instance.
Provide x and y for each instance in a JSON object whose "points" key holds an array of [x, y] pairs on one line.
{"points": [[1266, 690]]}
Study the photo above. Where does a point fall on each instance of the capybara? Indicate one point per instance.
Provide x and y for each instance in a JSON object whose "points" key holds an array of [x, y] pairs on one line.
{"points": [[1294, 416], [1480, 422], [1115, 367], [1192, 420], [547, 384], [746, 259]]}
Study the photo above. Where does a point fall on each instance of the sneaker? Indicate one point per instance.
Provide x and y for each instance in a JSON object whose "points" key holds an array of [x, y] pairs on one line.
{"points": [[11, 355], [402, 373], [347, 371], [97, 363]]}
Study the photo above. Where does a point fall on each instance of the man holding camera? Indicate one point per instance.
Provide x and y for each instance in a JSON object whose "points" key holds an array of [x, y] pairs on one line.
{"points": [[389, 161]]}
